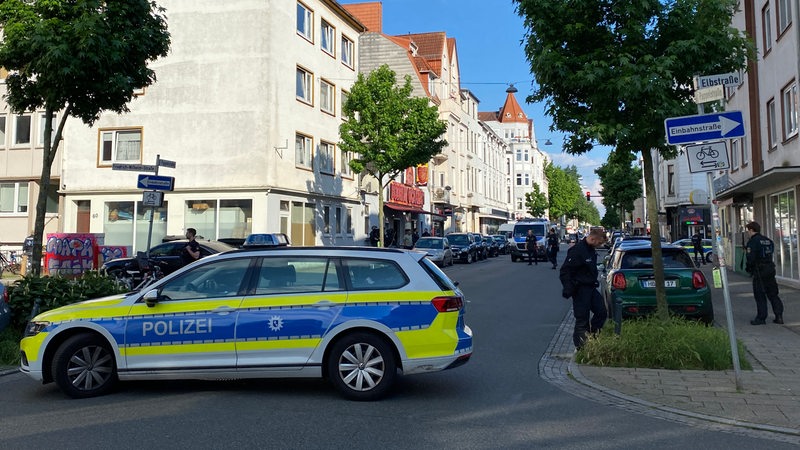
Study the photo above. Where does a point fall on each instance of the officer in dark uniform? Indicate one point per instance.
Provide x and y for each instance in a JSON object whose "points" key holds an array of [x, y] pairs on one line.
{"points": [[530, 247], [579, 280], [760, 265], [697, 243], [552, 247]]}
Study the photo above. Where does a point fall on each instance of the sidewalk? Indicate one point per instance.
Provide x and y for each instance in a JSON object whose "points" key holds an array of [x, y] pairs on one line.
{"points": [[770, 397]]}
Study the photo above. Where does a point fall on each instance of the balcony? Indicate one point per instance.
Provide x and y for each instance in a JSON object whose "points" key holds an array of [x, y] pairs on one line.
{"points": [[441, 195]]}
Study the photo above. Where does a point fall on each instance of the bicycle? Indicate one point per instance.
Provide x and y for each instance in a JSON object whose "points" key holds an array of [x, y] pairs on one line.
{"points": [[139, 273], [11, 263], [707, 150]]}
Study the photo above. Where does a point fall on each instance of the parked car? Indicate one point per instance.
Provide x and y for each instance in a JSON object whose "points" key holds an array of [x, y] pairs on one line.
{"points": [[463, 247], [167, 255], [437, 249], [502, 243], [483, 249], [629, 278], [492, 246], [708, 248], [5, 310], [281, 312]]}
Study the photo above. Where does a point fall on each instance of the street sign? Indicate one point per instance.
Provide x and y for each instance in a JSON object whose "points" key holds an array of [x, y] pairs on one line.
{"points": [[166, 163], [722, 79], [133, 167], [710, 94], [707, 157], [704, 127], [153, 198], [155, 182]]}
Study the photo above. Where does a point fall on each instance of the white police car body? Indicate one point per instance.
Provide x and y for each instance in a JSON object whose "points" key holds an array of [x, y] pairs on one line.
{"points": [[353, 315]]}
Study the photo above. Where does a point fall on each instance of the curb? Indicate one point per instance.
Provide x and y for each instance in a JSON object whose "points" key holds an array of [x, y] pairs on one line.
{"points": [[8, 370]]}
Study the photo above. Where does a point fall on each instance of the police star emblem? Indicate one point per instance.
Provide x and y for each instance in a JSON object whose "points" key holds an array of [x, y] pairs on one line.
{"points": [[275, 323]]}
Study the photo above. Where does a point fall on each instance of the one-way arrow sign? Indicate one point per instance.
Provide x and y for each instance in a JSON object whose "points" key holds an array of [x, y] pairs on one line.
{"points": [[705, 127], [155, 182]]}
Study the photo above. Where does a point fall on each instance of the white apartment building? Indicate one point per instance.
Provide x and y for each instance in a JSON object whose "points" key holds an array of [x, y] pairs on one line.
{"points": [[763, 181], [250, 114]]}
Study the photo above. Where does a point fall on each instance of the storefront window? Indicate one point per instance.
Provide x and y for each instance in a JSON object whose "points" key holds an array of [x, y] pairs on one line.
{"points": [[304, 230], [202, 216], [118, 223], [785, 234], [235, 218], [143, 214]]}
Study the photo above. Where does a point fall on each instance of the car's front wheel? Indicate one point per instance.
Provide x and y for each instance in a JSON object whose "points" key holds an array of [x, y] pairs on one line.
{"points": [[362, 366], [84, 366]]}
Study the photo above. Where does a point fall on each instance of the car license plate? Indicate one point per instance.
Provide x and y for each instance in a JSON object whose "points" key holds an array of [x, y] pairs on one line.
{"points": [[667, 283]]}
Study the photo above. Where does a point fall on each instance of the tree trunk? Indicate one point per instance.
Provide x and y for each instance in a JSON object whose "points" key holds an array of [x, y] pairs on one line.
{"points": [[662, 309]]}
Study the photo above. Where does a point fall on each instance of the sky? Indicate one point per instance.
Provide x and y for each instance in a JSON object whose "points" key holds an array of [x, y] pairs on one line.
{"points": [[488, 37]]}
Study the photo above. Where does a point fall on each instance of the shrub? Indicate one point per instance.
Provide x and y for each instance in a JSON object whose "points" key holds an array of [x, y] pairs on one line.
{"points": [[656, 344], [9, 347], [53, 292]]}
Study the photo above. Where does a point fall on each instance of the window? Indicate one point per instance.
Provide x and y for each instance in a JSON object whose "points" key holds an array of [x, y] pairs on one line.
{"points": [[302, 151], [235, 218], [305, 20], [51, 205], [349, 221], [305, 86], [120, 145], [519, 154], [766, 29], [296, 274], [789, 107], [374, 274], [519, 179], [326, 97], [338, 220], [22, 130], [2, 131], [344, 163], [326, 219], [347, 51], [325, 157], [670, 180], [54, 124], [745, 152], [14, 197], [734, 154], [328, 38], [772, 124], [342, 100], [527, 179], [784, 15], [525, 154]]}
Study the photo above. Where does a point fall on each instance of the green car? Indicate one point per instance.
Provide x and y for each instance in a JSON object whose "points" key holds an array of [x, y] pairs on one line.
{"points": [[629, 279]]}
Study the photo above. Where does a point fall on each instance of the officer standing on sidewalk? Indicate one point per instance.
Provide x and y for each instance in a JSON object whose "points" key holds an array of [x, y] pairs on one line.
{"points": [[697, 243], [552, 247], [579, 280], [761, 267]]}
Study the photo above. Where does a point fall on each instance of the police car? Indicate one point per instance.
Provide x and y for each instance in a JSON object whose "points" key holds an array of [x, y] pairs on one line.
{"points": [[355, 316], [708, 247]]}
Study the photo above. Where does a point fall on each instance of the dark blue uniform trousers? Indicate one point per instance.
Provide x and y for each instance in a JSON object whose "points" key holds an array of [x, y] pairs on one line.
{"points": [[587, 302], [765, 287]]}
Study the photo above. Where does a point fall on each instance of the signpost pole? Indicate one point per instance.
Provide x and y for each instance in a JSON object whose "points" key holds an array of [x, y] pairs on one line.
{"points": [[152, 213]]}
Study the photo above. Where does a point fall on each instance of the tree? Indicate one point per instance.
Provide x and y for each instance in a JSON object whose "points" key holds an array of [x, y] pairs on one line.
{"points": [[611, 219], [621, 181], [76, 59], [564, 189], [611, 72], [387, 129], [587, 212], [536, 202]]}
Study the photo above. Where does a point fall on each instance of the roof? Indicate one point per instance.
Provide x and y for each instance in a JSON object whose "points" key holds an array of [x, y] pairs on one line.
{"points": [[511, 110], [370, 14]]}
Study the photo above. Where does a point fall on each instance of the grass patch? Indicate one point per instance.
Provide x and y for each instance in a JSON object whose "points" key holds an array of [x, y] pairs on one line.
{"points": [[9, 347], [654, 344]]}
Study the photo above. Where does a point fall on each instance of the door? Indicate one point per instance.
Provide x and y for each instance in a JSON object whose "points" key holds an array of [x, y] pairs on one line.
{"points": [[193, 324]]}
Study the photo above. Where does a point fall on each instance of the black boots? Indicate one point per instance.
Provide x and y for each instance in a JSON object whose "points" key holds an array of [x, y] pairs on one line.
{"points": [[778, 320], [758, 321]]}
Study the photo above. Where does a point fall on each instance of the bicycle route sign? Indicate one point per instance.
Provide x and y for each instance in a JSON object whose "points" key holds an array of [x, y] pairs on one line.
{"points": [[704, 127], [707, 157]]}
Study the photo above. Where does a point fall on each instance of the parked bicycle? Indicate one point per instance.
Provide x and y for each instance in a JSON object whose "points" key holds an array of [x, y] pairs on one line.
{"points": [[10, 264], [138, 276]]}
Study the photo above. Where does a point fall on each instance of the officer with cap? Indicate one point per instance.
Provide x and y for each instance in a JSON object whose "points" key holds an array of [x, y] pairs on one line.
{"points": [[761, 267]]}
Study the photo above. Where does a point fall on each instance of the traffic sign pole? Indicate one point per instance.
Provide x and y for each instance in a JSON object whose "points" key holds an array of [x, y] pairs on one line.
{"points": [[152, 214]]}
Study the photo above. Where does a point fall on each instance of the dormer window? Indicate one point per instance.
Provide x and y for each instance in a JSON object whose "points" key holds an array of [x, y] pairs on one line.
{"points": [[412, 47]]}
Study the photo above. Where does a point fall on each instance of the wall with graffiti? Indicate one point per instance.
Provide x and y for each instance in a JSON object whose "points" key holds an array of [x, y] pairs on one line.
{"points": [[69, 254]]}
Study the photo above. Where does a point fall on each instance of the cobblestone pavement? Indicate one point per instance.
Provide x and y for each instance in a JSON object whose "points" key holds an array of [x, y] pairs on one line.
{"points": [[768, 405]]}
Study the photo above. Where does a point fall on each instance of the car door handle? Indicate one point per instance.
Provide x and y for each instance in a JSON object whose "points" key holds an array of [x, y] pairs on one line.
{"points": [[324, 304], [223, 310]]}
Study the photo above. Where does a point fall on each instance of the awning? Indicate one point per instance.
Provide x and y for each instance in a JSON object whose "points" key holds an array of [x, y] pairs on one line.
{"points": [[409, 208], [774, 178]]}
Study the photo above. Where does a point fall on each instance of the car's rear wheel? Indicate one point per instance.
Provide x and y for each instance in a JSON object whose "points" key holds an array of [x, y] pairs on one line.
{"points": [[84, 366], [362, 366], [513, 258]]}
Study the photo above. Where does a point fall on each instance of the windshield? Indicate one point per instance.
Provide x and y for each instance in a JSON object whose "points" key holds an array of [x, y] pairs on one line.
{"points": [[521, 229], [429, 243], [458, 239]]}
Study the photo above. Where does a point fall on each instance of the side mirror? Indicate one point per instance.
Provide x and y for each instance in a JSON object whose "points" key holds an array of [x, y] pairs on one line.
{"points": [[151, 298]]}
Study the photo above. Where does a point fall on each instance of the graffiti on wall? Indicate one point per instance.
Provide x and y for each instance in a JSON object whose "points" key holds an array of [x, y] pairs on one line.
{"points": [[70, 253], [109, 252]]}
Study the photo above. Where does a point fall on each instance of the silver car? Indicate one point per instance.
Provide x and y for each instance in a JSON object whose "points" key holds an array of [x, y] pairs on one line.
{"points": [[437, 249]]}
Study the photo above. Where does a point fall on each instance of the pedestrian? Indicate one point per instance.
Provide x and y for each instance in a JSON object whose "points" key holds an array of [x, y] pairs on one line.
{"points": [[579, 280], [426, 233], [530, 247], [697, 243], [408, 240], [191, 252], [414, 238], [761, 267], [374, 236], [388, 238], [552, 247]]}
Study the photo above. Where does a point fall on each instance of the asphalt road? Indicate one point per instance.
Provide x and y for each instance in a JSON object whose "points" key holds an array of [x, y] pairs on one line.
{"points": [[497, 400]]}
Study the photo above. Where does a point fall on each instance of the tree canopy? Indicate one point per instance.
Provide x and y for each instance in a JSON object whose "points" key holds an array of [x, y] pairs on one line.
{"points": [[611, 72], [387, 130], [564, 189], [621, 181], [536, 202], [76, 59]]}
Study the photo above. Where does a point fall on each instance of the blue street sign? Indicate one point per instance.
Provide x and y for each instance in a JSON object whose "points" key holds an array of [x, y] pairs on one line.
{"points": [[155, 182], [704, 127]]}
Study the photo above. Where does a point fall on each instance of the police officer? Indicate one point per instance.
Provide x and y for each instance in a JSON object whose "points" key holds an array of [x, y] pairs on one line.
{"points": [[530, 247], [374, 236], [552, 247], [697, 243], [761, 267], [579, 280]]}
